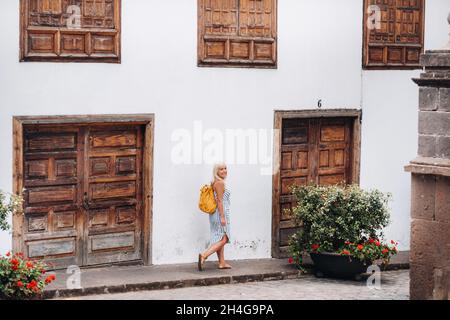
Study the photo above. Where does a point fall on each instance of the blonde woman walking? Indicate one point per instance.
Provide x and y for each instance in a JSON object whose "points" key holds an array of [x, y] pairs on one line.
{"points": [[219, 222]]}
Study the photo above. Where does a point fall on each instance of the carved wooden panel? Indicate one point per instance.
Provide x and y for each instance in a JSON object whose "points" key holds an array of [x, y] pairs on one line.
{"points": [[52, 191], [237, 33], [333, 151], [113, 195], [393, 33], [70, 30], [313, 151], [83, 193], [54, 247]]}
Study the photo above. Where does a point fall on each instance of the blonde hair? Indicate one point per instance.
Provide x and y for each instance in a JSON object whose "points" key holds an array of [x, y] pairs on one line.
{"points": [[216, 169]]}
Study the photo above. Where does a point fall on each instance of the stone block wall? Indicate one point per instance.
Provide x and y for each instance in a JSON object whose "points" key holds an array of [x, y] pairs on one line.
{"points": [[430, 232], [430, 207]]}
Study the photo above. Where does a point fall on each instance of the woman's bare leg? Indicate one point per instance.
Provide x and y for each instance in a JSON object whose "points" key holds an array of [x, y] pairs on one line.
{"points": [[221, 256], [215, 247]]}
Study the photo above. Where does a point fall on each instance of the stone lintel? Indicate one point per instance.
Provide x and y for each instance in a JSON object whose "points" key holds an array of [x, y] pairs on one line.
{"points": [[425, 165], [432, 82], [435, 59], [437, 66]]}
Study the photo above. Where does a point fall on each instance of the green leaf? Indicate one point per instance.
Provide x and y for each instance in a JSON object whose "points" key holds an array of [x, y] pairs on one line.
{"points": [[331, 215]]}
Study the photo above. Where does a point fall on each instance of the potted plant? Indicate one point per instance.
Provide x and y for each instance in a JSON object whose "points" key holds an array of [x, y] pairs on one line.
{"points": [[341, 228], [20, 278]]}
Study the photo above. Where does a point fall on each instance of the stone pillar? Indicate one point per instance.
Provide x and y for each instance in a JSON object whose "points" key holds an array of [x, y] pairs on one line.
{"points": [[430, 171]]}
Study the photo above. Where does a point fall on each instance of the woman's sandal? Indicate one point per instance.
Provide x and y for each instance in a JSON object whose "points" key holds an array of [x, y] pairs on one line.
{"points": [[225, 267], [201, 262]]}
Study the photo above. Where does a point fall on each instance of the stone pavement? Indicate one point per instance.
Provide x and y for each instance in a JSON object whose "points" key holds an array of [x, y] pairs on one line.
{"points": [[119, 279], [394, 286], [115, 279]]}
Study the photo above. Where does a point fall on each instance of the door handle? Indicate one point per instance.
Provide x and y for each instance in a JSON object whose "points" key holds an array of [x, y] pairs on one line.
{"points": [[85, 201]]}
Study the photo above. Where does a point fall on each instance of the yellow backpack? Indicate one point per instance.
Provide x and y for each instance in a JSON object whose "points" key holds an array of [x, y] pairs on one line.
{"points": [[207, 202]]}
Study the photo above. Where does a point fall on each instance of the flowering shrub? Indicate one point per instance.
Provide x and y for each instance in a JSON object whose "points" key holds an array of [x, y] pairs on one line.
{"points": [[340, 219], [9, 204], [371, 250], [22, 278]]}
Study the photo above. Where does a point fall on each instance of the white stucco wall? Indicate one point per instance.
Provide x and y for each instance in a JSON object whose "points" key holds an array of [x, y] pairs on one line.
{"points": [[319, 58], [389, 127]]}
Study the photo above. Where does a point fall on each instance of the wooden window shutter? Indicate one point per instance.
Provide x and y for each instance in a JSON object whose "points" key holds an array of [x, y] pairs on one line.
{"points": [[239, 33], [393, 34], [70, 30]]}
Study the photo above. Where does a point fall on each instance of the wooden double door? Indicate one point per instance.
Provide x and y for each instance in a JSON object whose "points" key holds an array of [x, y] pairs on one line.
{"points": [[83, 193], [320, 151]]}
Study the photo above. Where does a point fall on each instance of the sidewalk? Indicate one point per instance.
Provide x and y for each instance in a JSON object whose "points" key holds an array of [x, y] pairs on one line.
{"points": [[394, 285], [119, 279]]}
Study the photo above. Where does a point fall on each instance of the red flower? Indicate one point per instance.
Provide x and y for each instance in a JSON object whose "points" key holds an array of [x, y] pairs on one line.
{"points": [[48, 280], [8, 253], [32, 284], [377, 243], [371, 241], [36, 289], [315, 246], [19, 284], [291, 260], [14, 262], [347, 242], [360, 247], [347, 253], [14, 267], [53, 277], [385, 251], [395, 249], [19, 254], [29, 264], [43, 271]]}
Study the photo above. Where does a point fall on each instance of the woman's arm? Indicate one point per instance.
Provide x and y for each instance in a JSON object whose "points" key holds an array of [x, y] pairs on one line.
{"points": [[219, 187]]}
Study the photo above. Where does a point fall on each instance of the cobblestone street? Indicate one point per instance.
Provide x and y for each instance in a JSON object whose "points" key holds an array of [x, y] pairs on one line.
{"points": [[394, 286]]}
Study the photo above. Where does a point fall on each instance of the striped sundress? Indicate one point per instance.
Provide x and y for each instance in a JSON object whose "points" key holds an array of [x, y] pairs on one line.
{"points": [[216, 228]]}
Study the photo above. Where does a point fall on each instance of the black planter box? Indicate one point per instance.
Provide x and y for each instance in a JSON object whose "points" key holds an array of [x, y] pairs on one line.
{"points": [[339, 266]]}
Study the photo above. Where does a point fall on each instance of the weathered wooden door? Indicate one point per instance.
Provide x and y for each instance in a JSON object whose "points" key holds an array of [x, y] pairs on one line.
{"points": [[112, 194], [312, 151], [53, 175], [83, 193]]}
